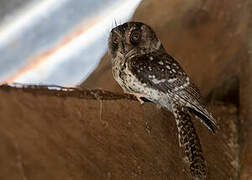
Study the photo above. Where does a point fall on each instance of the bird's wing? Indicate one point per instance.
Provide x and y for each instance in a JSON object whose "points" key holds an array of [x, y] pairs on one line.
{"points": [[162, 72]]}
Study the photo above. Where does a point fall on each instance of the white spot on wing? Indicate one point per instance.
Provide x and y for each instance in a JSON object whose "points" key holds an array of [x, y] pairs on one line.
{"points": [[157, 81], [172, 80]]}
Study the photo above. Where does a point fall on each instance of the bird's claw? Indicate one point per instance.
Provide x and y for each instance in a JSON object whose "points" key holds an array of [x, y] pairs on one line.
{"points": [[138, 97]]}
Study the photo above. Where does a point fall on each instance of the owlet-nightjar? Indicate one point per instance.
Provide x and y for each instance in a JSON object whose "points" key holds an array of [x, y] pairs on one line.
{"points": [[143, 68]]}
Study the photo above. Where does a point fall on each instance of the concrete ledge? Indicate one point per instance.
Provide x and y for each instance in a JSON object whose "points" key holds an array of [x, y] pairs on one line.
{"points": [[44, 136]]}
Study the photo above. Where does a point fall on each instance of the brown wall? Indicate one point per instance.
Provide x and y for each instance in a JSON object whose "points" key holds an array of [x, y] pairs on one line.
{"points": [[72, 135]]}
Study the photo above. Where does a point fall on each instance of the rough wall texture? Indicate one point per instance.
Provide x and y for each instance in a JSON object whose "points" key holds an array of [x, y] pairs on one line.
{"points": [[72, 135], [246, 106]]}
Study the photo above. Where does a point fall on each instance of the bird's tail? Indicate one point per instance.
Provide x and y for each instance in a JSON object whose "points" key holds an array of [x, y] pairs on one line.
{"points": [[188, 138], [204, 116]]}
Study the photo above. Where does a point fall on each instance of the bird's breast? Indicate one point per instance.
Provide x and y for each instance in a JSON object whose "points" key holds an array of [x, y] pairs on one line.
{"points": [[131, 84]]}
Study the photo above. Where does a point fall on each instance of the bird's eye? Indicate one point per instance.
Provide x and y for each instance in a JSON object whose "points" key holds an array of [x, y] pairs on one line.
{"points": [[135, 37]]}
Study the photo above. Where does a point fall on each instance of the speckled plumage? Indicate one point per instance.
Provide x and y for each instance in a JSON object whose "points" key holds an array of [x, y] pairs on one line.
{"points": [[142, 67]]}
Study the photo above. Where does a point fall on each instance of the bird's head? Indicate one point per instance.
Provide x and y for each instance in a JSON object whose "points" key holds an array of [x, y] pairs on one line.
{"points": [[132, 38]]}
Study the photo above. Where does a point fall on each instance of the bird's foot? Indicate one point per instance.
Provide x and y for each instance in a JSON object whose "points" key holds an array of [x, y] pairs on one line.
{"points": [[138, 96]]}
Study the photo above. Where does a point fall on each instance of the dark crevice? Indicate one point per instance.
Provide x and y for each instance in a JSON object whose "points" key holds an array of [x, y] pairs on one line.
{"points": [[228, 92]]}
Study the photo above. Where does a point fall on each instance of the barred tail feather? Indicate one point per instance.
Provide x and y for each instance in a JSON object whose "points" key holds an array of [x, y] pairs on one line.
{"points": [[188, 138]]}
